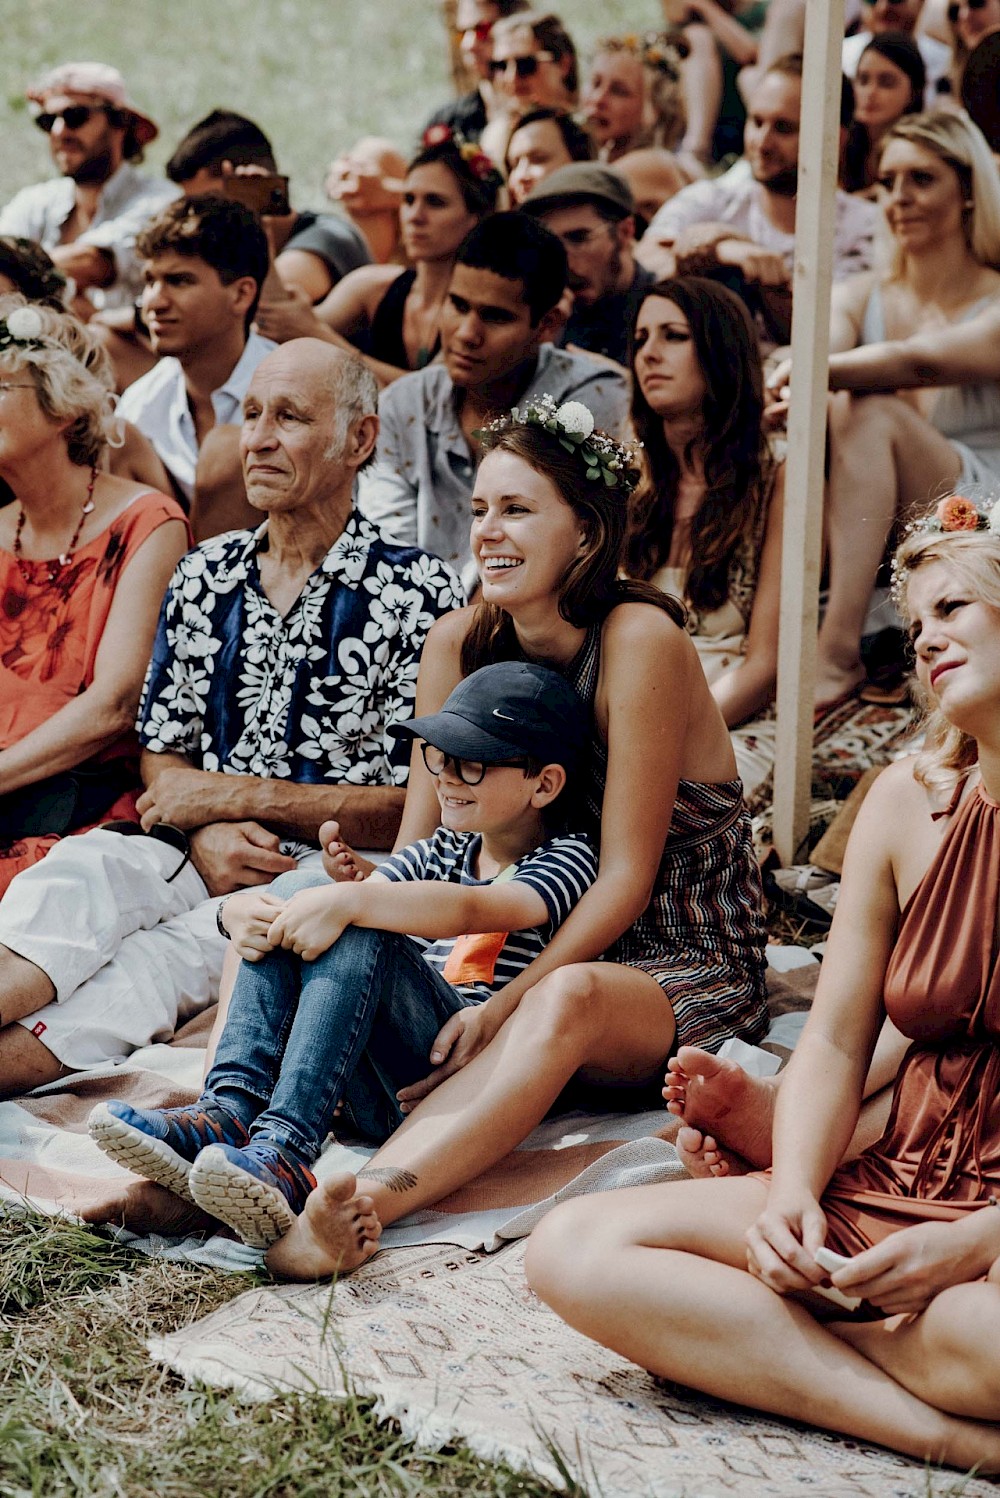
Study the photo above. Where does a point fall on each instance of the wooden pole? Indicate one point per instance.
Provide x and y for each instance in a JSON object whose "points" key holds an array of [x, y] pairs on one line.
{"points": [[819, 138]]}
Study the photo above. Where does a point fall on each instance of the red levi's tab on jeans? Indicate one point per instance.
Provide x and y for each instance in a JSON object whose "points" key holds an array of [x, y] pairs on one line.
{"points": [[473, 959]]}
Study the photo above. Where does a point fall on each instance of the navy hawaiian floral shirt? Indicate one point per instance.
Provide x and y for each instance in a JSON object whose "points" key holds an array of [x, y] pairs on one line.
{"points": [[307, 697]]}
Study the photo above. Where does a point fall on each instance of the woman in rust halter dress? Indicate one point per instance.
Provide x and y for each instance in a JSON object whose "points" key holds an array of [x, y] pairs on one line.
{"points": [[705, 1281]]}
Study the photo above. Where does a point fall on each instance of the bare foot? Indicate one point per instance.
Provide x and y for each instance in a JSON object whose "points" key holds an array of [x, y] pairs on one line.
{"points": [[702, 1157], [834, 684], [711, 1094], [336, 1231], [145, 1207]]}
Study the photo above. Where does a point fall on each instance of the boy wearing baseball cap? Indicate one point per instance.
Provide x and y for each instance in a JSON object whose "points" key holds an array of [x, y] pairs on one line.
{"points": [[345, 986]]}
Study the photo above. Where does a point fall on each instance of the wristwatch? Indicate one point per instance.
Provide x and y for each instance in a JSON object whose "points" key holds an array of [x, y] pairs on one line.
{"points": [[218, 917]]}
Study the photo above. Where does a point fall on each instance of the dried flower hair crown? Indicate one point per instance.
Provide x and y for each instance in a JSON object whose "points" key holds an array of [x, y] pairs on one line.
{"points": [[953, 515], [475, 158], [23, 328], [604, 458], [956, 513], [663, 50]]}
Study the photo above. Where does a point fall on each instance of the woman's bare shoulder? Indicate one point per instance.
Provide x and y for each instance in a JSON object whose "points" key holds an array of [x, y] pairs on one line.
{"points": [[635, 624], [448, 633]]}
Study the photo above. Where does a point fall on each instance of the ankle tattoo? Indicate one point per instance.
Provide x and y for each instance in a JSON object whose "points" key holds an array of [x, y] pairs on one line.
{"points": [[391, 1179]]}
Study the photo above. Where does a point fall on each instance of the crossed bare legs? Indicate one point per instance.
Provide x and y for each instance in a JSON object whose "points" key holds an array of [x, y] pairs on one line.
{"points": [[666, 1285]]}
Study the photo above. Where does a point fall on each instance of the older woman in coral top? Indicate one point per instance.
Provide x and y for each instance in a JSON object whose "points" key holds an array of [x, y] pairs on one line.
{"points": [[84, 561]]}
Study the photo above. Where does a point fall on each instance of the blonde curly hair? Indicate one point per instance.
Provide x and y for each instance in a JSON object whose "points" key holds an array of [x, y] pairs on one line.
{"points": [[72, 375]]}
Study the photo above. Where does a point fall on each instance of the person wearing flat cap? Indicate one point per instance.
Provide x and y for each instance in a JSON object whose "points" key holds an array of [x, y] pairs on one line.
{"points": [[590, 208], [89, 216], [357, 978]]}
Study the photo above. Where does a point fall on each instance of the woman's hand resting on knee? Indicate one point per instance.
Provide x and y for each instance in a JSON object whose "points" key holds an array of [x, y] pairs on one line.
{"points": [[782, 1243], [460, 1038]]}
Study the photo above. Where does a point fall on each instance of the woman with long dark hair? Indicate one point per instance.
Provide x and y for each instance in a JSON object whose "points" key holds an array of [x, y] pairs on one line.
{"points": [[889, 83], [705, 521], [387, 313]]}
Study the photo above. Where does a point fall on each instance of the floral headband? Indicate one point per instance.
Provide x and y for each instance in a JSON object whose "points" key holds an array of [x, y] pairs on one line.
{"points": [[23, 328], [604, 458], [950, 517], [476, 159], [656, 49]]}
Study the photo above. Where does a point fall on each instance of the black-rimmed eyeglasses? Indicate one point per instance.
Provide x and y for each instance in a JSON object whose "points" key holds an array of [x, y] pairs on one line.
{"points": [[469, 771]]}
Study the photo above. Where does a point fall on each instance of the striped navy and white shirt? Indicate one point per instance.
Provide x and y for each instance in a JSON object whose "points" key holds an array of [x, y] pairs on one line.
{"points": [[561, 870]]}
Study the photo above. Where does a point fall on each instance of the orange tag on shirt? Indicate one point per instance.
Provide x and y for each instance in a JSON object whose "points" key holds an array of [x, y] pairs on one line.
{"points": [[473, 959]]}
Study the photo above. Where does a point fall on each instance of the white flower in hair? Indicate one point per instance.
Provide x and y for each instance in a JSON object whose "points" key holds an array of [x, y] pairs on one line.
{"points": [[24, 322], [575, 419], [993, 518]]}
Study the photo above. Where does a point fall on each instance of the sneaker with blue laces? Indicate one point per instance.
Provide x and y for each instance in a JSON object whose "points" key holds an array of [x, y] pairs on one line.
{"points": [[258, 1191], [162, 1143]]}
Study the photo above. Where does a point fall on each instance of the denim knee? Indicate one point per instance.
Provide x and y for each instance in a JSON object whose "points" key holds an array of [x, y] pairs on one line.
{"points": [[289, 884]]}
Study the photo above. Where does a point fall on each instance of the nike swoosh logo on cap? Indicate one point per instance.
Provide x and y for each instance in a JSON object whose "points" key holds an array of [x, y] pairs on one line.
{"points": [[505, 716]]}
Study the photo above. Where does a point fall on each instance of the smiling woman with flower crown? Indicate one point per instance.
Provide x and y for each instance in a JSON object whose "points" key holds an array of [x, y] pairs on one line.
{"points": [[675, 910], [84, 561]]}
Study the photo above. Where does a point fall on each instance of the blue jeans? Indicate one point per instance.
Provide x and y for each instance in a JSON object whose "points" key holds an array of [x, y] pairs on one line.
{"points": [[352, 1027]]}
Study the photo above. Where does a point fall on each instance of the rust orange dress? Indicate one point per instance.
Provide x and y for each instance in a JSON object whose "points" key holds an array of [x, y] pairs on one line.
{"points": [[49, 636], [940, 1154]]}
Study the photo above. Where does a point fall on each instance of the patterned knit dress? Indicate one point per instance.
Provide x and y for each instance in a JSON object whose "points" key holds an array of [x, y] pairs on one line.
{"points": [[701, 937]]}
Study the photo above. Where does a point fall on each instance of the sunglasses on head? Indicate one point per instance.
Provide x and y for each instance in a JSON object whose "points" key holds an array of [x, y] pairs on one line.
{"points": [[524, 67], [73, 116], [482, 31], [954, 11]]}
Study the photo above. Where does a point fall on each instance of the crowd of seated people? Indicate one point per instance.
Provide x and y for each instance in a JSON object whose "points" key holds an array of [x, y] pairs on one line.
{"points": [[435, 539]]}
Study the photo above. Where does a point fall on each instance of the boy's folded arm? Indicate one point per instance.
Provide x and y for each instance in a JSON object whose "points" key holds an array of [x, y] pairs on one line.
{"points": [[433, 909]]}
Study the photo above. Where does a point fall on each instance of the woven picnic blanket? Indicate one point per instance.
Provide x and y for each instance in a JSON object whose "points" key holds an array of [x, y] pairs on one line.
{"points": [[454, 1346], [48, 1160]]}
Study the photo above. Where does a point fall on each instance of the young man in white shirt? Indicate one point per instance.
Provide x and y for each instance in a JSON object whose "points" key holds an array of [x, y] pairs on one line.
{"points": [[204, 261]]}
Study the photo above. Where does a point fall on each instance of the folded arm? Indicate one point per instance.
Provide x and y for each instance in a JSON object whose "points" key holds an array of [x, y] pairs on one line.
{"points": [[107, 708], [965, 353], [177, 792]]}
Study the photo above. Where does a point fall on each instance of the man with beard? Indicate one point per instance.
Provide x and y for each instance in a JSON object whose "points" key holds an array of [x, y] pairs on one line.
{"points": [[590, 209], [89, 216], [740, 228]]}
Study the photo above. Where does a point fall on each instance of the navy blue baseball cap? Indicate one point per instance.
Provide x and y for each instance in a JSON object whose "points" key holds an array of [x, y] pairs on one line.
{"points": [[508, 711]]}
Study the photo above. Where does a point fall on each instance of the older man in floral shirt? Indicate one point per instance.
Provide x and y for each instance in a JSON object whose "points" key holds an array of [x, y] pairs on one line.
{"points": [[281, 657]]}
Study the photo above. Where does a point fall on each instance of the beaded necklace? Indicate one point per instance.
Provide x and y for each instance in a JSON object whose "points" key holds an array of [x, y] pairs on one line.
{"points": [[64, 558]]}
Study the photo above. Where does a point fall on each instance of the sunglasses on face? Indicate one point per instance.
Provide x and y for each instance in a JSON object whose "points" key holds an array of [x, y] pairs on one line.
{"points": [[524, 67], [469, 771], [482, 31], [73, 116], [954, 11]]}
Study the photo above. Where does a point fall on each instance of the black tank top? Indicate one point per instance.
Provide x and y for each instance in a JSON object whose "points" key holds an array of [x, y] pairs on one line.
{"points": [[385, 336]]}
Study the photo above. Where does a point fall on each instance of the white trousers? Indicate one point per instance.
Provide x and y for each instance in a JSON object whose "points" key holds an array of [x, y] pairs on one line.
{"points": [[131, 953]]}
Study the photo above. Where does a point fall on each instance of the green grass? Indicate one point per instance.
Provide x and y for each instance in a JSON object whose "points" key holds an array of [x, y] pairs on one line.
{"points": [[84, 1411], [315, 74]]}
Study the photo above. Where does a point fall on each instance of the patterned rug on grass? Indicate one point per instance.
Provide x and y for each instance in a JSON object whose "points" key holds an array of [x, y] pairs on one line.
{"points": [[454, 1346], [49, 1162], [849, 740]]}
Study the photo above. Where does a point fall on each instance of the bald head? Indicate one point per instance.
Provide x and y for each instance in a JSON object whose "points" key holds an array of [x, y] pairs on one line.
{"points": [[653, 176], [309, 423]]}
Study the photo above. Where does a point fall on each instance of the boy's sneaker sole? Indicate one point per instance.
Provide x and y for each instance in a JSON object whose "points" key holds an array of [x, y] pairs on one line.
{"points": [[257, 1212], [138, 1152]]}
